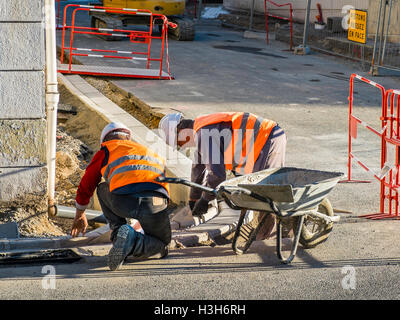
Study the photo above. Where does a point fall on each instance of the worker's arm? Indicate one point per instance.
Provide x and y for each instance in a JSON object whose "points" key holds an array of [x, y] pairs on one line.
{"points": [[212, 153], [87, 186], [210, 169], [197, 176]]}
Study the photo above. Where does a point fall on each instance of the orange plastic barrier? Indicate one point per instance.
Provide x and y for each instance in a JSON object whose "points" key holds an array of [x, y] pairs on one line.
{"points": [[290, 19], [389, 135]]}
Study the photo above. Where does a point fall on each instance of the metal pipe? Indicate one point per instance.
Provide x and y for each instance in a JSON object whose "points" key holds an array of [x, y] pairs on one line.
{"points": [[91, 215], [306, 24], [199, 9], [387, 32], [52, 98], [382, 31], [251, 14], [373, 69]]}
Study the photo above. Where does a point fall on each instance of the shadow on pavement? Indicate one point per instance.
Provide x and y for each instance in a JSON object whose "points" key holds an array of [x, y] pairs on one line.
{"points": [[184, 262]]}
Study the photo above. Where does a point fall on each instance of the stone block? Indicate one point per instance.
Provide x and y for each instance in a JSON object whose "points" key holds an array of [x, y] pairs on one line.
{"points": [[20, 183], [23, 143], [22, 94], [22, 46], [9, 230], [21, 10]]}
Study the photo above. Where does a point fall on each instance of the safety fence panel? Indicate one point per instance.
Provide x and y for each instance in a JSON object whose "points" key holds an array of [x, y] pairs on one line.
{"points": [[389, 135], [328, 32], [141, 41], [290, 19], [58, 11], [367, 32], [386, 28], [354, 121], [390, 182]]}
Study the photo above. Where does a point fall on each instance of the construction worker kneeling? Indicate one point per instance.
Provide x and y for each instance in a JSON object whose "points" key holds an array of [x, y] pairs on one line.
{"points": [[239, 142], [129, 192]]}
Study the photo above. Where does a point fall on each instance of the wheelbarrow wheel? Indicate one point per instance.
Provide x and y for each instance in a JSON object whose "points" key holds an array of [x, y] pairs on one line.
{"points": [[316, 231]]}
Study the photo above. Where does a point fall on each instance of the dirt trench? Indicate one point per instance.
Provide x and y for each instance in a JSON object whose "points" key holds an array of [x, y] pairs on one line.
{"points": [[126, 101]]}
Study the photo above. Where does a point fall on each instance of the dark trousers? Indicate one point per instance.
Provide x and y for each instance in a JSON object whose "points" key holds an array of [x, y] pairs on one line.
{"points": [[154, 219]]}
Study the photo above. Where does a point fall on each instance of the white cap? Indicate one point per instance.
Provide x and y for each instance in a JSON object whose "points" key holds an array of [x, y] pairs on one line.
{"points": [[168, 125], [114, 126]]}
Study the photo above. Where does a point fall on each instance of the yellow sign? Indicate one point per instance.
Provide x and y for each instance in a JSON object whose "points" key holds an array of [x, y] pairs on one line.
{"points": [[358, 26]]}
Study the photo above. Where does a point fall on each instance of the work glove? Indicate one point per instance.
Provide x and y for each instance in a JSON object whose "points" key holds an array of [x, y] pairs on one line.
{"points": [[191, 204], [200, 207]]}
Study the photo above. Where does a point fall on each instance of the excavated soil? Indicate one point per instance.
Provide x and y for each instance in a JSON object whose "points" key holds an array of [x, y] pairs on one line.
{"points": [[128, 102], [77, 141], [31, 216]]}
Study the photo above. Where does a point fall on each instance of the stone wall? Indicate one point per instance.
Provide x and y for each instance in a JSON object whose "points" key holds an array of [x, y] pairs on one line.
{"points": [[23, 170]]}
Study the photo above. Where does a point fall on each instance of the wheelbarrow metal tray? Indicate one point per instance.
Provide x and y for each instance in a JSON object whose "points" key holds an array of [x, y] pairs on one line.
{"points": [[292, 189]]}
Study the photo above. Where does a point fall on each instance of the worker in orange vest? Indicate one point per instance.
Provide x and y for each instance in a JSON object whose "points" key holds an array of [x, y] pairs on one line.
{"points": [[129, 191], [237, 141]]}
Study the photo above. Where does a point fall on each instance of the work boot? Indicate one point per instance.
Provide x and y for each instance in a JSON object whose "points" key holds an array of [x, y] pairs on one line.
{"points": [[123, 244]]}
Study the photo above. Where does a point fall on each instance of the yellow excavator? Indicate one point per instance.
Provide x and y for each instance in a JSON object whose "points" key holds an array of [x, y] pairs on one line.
{"points": [[173, 9]]}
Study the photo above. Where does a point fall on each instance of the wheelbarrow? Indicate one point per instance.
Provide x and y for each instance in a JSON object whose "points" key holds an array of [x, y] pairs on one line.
{"points": [[297, 197]]}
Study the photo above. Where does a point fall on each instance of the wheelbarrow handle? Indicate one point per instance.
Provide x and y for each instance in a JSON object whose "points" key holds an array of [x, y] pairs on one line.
{"points": [[187, 183]]}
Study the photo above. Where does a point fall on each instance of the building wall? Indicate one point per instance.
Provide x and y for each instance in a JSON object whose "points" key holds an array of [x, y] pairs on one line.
{"points": [[23, 171], [330, 8]]}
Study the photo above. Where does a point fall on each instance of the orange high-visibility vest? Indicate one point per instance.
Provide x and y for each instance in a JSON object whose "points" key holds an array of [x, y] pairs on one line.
{"points": [[130, 162], [250, 133]]}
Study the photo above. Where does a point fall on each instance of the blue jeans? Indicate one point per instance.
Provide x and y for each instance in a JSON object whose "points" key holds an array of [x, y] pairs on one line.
{"points": [[154, 219]]}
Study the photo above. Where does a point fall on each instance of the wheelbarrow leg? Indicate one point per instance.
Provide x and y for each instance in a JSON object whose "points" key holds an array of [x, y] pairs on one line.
{"points": [[237, 232], [295, 241], [251, 236]]}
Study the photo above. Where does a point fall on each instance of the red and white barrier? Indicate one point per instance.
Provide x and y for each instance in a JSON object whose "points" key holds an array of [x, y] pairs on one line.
{"points": [[389, 134], [290, 19], [145, 38]]}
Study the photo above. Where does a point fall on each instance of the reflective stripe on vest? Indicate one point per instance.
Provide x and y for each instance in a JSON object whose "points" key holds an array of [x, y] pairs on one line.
{"points": [[249, 135], [130, 162]]}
